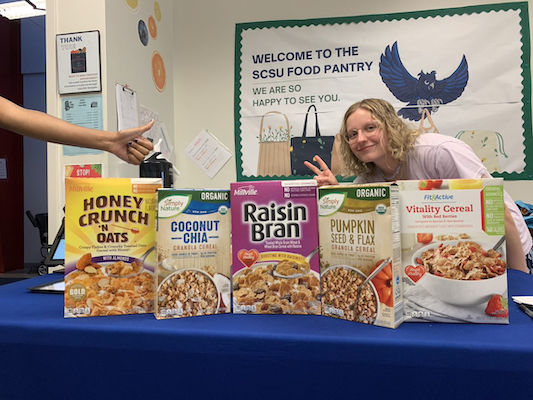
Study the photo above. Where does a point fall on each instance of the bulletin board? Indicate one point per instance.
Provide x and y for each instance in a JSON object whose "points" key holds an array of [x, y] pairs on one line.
{"points": [[466, 70]]}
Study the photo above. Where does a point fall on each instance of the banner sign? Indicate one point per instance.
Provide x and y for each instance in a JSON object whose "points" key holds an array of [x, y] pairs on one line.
{"points": [[462, 72]]}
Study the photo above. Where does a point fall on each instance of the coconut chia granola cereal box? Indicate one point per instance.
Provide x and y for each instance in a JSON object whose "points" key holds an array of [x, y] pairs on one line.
{"points": [[453, 251], [109, 246], [274, 247], [194, 253], [359, 239]]}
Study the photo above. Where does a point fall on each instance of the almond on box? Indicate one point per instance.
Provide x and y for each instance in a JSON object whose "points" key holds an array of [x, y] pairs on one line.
{"points": [[453, 250], [194, 253], [109, 246], [360, 253], [275, 263]]}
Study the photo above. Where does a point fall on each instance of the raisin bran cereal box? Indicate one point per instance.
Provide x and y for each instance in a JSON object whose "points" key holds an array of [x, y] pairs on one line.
{"points": [[453, 250], [359, 239], [274, 247], [109, 246], [194, 253]]}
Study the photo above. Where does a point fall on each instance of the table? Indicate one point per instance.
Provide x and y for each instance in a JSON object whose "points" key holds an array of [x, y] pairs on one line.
{"points": [[43, 355]]}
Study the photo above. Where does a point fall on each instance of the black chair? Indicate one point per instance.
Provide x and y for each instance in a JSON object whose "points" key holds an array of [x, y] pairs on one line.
{"points": [[40, 221]]}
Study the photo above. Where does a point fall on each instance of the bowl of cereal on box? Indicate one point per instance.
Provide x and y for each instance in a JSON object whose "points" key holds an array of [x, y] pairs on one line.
{"points": [[461, 272], [188, 292], [257, 289], [340, 297]]}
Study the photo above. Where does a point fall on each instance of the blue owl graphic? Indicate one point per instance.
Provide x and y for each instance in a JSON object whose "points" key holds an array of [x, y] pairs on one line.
{"points": [[426, 92]]}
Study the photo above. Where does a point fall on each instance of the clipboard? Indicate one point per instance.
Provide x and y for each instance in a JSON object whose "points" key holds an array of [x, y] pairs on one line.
{"points": [[127, 107]]}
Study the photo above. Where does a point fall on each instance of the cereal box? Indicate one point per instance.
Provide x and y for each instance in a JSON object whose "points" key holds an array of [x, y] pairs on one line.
{"points": [[109, 246], [453, 251], [360, 257], [194, 253], [274, 247]]}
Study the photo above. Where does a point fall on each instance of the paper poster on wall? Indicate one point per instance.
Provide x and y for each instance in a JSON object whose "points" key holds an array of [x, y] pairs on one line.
{"points": [[208, 153], [78, 62], [461, 72], [84, 111]]}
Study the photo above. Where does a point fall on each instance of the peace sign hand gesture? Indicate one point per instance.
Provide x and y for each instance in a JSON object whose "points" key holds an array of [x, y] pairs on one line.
{"points": [[324, 176]]}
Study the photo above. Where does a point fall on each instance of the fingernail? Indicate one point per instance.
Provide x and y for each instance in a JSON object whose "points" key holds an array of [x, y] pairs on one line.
{"points": [[136, 140], [130, 144]]}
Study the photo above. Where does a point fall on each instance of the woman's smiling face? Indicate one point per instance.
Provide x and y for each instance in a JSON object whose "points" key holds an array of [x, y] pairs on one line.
{"points": [[366, 147]]}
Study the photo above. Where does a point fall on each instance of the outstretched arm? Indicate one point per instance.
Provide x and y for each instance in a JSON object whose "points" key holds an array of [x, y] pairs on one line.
{"points": [[324, 176], [128, 145]]}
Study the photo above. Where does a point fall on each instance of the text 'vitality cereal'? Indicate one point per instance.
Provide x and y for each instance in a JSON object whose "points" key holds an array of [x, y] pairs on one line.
{"points": [[194, 253], [109, 246], [274, 247], [360, 253], [453, 251]]}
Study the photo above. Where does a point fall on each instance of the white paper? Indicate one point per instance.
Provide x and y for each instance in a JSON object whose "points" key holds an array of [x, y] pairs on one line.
{"points": [[127, 113], [166, 145], [146, 115], [523, 299], [157, 132], [208, 153]]}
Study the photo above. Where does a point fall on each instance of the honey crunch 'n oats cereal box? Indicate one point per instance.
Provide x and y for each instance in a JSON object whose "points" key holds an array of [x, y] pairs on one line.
{"points": [[109, 246], [453, 251], [274, 247], [360, 238], [194, 253]]}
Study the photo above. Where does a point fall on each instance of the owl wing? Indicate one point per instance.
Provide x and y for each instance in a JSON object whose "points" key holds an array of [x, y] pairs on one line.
{"points": [[395, 76], [449, 89]]}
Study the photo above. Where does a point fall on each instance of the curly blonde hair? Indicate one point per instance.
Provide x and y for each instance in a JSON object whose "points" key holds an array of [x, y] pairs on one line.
{"points": [[399, 136]]}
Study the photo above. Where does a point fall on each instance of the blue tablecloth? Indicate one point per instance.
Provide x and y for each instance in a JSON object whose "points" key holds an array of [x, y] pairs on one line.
{"points": [[43, 355]]}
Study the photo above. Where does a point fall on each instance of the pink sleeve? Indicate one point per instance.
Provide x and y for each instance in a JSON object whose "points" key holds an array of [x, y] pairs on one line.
{"points": [[439, 156]]}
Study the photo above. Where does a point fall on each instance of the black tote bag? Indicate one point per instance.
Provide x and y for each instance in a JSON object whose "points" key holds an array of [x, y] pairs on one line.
{"points": [[306, 147]]}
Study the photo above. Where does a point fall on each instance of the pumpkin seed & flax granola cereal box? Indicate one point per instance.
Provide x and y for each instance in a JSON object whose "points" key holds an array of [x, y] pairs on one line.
{"points": [[360, 255], [109, 246]]}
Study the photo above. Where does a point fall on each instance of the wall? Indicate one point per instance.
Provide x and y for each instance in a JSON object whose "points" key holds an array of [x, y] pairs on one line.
{"points": [[203, 66], [124, 60]]}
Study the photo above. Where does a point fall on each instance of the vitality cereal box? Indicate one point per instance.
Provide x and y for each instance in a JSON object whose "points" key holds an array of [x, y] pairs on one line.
{"points": [[453, 251], [274, 247], [360, 257], [194, 253], [109, 246]]}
